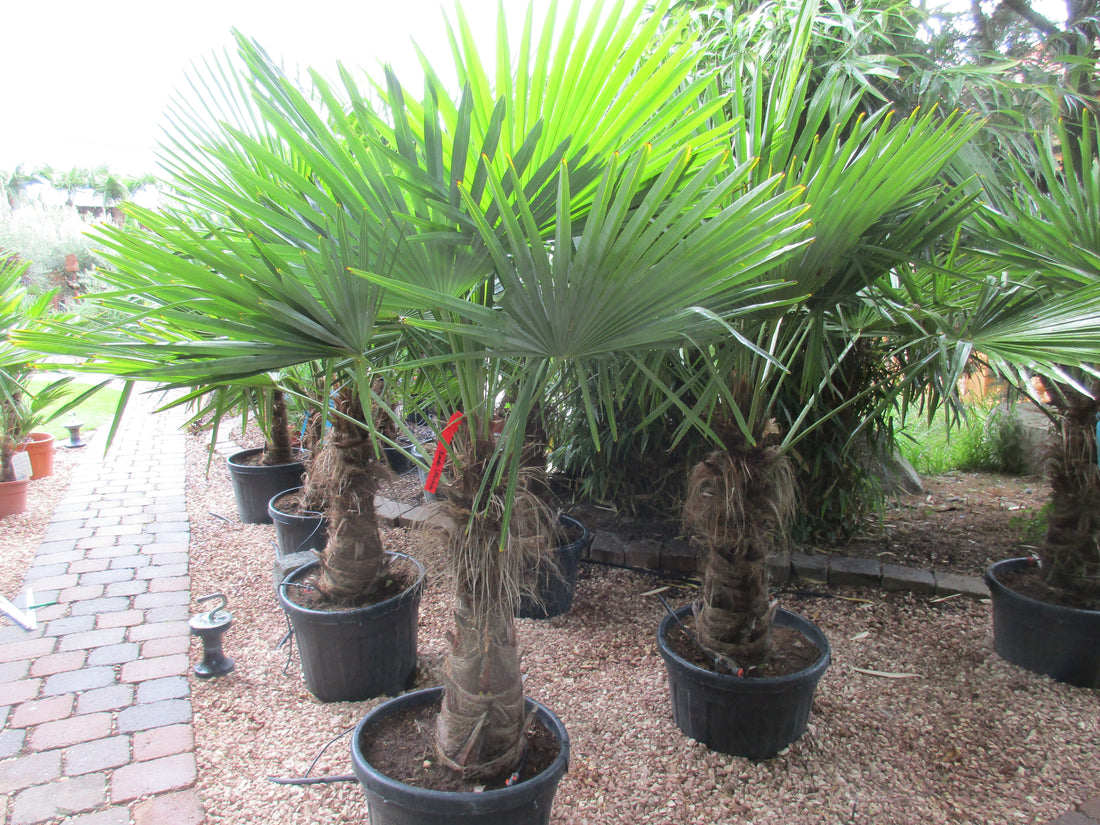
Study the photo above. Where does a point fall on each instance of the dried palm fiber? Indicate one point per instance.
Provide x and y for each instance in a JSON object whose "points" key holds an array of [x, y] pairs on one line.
{"points": [[738, 503], [354, 564], [482, 722]]}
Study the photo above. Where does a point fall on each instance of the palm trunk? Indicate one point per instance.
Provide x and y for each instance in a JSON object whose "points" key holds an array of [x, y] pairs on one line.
{"points": [[481, 730], [354, 561], [738, 502], [481, 725], [279, 450], [1071, 549]]}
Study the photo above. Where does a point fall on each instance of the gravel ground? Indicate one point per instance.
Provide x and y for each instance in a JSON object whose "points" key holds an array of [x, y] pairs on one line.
{"points": [[966, 738]]}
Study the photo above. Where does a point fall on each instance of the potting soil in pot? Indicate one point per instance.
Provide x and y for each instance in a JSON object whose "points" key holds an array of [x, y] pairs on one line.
{"points": [[403, 748], [791, 651]]}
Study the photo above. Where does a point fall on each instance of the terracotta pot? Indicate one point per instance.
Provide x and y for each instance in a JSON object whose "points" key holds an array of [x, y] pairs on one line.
{"points": [[13, 497], [40, 450]]}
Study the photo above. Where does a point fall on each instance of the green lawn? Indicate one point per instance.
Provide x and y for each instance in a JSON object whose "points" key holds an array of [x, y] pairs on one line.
{"points": [[95, 412]]}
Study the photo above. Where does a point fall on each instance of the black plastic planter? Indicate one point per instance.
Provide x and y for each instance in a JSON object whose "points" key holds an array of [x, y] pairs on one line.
{"points": [[296, 532], [752, 717], [255, 484], [1060, 642], [556, 588], [390, 802], [355, 654]]}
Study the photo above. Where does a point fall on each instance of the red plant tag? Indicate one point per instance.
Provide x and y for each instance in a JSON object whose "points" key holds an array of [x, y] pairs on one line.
{"points": [[440, 457]]}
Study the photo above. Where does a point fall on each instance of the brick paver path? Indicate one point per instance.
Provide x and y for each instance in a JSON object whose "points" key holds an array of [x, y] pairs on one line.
{"points": [[95, 704]]}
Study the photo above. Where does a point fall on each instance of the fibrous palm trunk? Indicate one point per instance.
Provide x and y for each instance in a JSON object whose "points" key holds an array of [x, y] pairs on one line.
{"points": [[482, 723], [279, 449], [738, 503], [1071, 549], [348, 470]]}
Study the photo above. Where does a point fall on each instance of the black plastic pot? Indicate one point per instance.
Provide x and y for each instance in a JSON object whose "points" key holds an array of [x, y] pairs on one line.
{"points": [[296, 532], [1060, 642], [754, 718], [555, 588], [390, 802], [355, 654], [254, 484]]}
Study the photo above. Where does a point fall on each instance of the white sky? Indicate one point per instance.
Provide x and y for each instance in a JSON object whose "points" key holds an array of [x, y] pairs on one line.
{"points": [[86, 83]]}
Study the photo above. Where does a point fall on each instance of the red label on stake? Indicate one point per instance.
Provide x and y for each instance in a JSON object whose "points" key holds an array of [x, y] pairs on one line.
{"points": [[440, 457]]}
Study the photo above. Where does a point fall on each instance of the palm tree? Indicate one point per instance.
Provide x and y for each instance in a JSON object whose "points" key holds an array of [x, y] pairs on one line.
{"points": [[1049, 236]]}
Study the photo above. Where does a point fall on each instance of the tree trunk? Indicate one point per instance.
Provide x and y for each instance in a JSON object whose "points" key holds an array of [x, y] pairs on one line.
{"points": [[354, 562], [1071, 549], [279, 450], [482, 723], [738, 502]]}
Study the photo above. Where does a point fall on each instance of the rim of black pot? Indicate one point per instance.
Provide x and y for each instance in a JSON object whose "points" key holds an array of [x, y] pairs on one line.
{"points": [[308, 514], [996, 585], [299, 453], [816, 637], [390, 788], [380, 608]]}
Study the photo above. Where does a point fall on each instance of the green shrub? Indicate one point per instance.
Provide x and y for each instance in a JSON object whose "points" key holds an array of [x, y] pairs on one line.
{"points": [[989, 439]]}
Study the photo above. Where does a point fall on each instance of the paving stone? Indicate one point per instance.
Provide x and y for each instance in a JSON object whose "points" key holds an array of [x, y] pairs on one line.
{"points": [[106, 576], [170, 598], [161, 527], [97, 755], [13, 671], [170, 584], [88, 566], [32, 769], [127, 588], [1072, 818], [58, 663], [607, 548], [643, 553], [73, 681], [160, 667], [80, 593], [1091, 807], [155, 776], [96, 541], [172, 613], [57, 799], [155, 571], [948, 584], [129, 562], [165, 647], [158, 630], [110, 551], [65, 732], [111, 816], [779, 567], [112, 697], [180, 808], [154, 715], [54, 552], [93, 638], [40, 711], [854, 572], [118, 654], [158, 742], [679, 556], [101, 605], [11, 742], [67, 531], [125, 618], [59, 582], [156, 690], [12, 693], [810, 567], [46, 571], [13, 634], [909, 579], [165, 557]]}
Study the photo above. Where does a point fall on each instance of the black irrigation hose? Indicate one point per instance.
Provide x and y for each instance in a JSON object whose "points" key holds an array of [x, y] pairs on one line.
{"points": [[317, 780]]}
